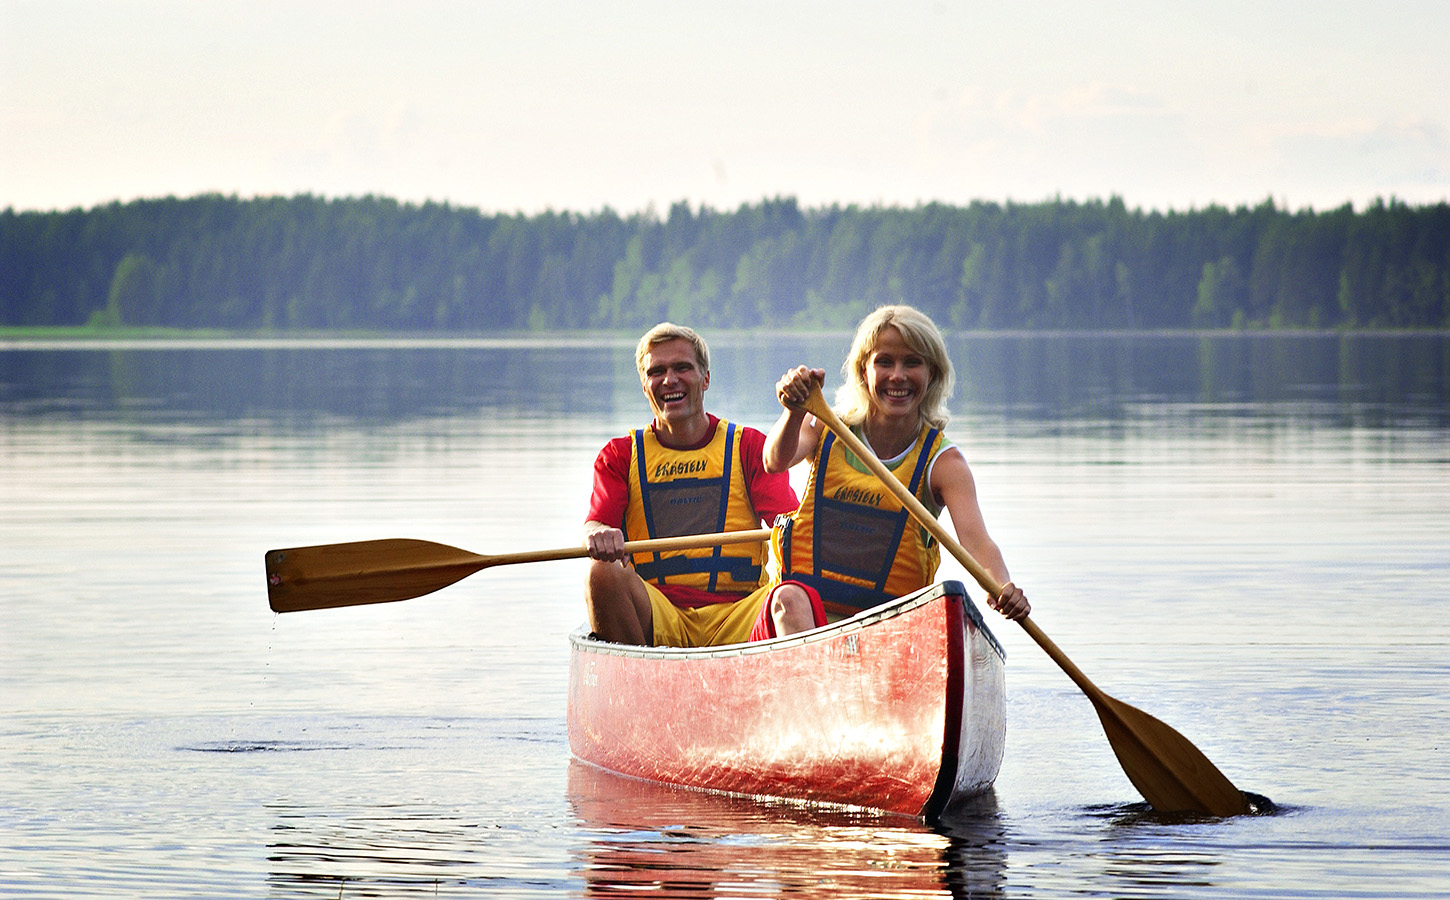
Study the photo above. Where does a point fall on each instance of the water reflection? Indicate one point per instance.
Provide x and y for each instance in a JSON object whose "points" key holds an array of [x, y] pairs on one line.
{"points": [[1371, 379], [643, 838], [299, 384], [392, 851]]}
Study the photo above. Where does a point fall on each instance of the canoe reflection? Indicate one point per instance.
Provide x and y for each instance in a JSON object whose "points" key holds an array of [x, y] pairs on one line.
{"points": [[642, 837]]}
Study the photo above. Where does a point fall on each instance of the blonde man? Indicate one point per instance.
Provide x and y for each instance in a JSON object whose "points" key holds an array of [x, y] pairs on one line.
{"points": [[687, 472]]}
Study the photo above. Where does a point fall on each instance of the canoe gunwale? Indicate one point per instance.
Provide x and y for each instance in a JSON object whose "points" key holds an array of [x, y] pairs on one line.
{"points": [[583, 641]]}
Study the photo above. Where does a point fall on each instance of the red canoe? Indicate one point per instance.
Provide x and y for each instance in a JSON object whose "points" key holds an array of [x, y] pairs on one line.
{"points": [[901, 708]]}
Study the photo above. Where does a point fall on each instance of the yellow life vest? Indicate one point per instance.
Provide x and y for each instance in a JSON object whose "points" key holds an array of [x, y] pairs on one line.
{"points": [[701, 491], [852, 539]]}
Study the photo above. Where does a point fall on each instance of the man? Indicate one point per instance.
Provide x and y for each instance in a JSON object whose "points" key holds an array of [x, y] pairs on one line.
{"points": [[687, 473]]}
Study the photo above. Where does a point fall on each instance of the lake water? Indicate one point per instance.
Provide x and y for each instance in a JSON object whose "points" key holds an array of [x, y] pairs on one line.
{"points": [[1247, 536]]}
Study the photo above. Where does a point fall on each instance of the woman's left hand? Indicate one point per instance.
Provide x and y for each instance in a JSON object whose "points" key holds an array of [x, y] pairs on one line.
{"points": [[1011, 602]]}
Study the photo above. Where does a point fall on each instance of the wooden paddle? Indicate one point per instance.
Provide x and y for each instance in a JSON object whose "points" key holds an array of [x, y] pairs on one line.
{"points": [[1170, 773], [332, 575]]}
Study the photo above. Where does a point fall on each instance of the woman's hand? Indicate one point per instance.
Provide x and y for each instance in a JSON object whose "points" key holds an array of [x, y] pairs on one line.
{"points": [[794, 387], [794, 435], [1011, 602]]}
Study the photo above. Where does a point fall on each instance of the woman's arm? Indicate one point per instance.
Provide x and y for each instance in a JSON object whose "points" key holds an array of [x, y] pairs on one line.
{"points": [[953, 485], [796, 433]]}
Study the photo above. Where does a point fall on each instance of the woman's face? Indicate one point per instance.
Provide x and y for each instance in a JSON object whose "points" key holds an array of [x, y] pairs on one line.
{"points": [[896, 376]]}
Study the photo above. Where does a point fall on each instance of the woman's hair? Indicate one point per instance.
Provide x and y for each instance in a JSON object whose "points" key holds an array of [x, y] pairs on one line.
{"points": [[853, 399], [668, 331]]}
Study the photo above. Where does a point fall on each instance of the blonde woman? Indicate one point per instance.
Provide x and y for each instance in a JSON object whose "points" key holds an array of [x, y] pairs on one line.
{"points": [[852, 545]]}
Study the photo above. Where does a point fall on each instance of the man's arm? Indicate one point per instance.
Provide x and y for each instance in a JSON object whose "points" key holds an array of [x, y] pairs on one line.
{"points": [[608, 501]]}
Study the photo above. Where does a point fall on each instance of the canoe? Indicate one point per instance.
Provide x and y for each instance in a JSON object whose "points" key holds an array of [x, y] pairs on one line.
{"points": [[900, 708]]}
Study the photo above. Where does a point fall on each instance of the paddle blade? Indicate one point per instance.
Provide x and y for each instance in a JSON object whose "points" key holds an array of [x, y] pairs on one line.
{"points": [[333, 575], [1165, 767]]}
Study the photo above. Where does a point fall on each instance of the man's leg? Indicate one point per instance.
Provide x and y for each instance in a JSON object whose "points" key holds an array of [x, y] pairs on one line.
{"points": [[618, 604], [791, 609]]}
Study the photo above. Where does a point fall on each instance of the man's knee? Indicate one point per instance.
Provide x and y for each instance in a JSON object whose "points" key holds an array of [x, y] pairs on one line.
{"points": [[618, 604], [789, 600], [606, 577]]}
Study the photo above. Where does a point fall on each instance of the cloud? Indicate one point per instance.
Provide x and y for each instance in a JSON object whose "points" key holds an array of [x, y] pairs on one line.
{"points": [[1086, 138], [1408, 159], [972, 112], [351, 150]]}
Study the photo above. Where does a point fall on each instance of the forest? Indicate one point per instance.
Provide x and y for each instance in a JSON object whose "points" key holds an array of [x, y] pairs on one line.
{"points": [[376, 264]]}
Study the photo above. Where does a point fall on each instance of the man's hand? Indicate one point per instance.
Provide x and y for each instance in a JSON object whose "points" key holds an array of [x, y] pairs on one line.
{"points": [[604, 542]]}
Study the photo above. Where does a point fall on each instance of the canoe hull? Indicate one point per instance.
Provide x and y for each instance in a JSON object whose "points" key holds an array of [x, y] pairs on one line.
{"points": [[901, 709]]}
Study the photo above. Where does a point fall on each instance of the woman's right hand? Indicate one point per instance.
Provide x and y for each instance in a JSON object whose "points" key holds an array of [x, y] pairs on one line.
{"points": [[792, 438], [794, 387]]}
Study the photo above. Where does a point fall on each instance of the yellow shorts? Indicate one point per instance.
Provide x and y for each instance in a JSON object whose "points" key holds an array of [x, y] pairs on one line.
{"points": [[704, 626]]}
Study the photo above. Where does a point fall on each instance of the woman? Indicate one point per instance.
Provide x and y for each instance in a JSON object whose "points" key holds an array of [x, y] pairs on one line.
{"points": [[852, 545]]}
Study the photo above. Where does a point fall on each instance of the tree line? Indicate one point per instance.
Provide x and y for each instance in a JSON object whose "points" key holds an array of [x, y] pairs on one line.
{"points": [[374, 263]]}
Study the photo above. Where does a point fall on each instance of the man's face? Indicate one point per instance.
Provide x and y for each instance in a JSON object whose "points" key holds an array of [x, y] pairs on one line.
{"points": [[674, 382]]}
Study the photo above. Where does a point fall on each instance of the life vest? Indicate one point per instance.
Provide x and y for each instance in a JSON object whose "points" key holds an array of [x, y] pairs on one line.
{"points": [[701, 491], [852, 539]]}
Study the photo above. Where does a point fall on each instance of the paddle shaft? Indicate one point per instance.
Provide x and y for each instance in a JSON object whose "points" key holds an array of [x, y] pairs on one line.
{"points": [[654, 545], [984, 578], [381, 571], [1162, 764], [817, 406]]}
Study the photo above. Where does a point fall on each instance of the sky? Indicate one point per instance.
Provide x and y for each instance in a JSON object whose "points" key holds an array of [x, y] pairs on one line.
{"points": [[531, 105]]}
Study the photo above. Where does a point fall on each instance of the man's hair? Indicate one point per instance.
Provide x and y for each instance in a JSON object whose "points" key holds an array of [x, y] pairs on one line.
{"points": [[853, 399], [668, 331]]}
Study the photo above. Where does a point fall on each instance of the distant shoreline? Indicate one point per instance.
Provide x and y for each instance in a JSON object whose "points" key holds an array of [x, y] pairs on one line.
{"points": [[39, 336]]}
